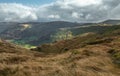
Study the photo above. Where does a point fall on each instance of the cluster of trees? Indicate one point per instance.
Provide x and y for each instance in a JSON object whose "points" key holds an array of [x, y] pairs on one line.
{"points": [[62, 35], [23, 44]]}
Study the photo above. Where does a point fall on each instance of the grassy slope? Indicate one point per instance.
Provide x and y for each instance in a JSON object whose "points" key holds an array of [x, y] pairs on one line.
{"points": [[90, 55]]}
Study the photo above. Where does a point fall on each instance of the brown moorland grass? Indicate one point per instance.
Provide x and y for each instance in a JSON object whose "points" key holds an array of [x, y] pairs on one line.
{"points": [[96, 59]]}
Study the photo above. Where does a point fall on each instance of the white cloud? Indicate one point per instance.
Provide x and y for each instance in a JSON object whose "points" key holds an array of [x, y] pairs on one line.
{"points": [[75, 15], [68, 10], [82, 3], [16, 12], [54, 16]]}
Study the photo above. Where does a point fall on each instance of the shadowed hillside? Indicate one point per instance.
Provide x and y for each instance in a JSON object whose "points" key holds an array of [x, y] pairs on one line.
{"points": [[112, 21], [33, 33], [90, 38], [36, 33]]}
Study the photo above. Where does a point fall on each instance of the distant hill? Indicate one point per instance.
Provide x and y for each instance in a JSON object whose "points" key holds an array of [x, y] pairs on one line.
{"points": [[6, 25], [37, 33], [112, 22], [34, 32], [90, 38]]}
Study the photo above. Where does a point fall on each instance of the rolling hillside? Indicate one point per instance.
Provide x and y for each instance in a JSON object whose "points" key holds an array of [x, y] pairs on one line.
{"points": [[6, 25], [34, 33], [37, 33], [112, 22], [84, 55]]}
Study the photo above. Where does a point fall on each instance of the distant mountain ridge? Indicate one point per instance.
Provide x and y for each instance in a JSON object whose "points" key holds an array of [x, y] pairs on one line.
{"points": [[36, 33], [112, 21]]}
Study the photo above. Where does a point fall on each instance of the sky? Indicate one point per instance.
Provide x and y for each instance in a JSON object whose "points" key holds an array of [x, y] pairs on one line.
{"points": [[59, 10], [28, 2]]}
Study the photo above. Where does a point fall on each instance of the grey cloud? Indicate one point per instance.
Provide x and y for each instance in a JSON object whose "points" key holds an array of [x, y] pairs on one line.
{"points": [[89, 13], [67, 10], [115, 13]]}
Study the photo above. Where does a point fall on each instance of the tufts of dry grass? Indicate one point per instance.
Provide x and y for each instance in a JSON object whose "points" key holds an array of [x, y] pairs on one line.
{"points": [[90, 60]]}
